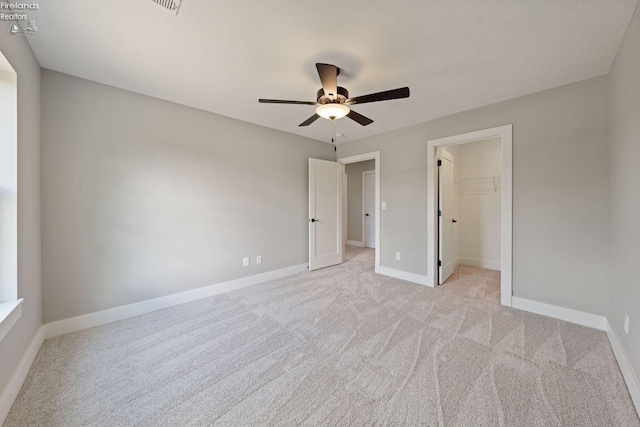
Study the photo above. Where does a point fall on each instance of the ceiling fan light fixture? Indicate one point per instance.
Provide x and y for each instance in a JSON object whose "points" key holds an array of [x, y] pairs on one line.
{"points": [[333, 101], [332, 111]]}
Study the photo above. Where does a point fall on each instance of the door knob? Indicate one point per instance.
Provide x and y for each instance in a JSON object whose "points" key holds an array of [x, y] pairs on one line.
{"points": [[454, 220], [312, 220], [366, 214]]}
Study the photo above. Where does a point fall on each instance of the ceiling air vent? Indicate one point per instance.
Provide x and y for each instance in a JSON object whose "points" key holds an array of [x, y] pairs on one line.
{"points": [[172, 5]]}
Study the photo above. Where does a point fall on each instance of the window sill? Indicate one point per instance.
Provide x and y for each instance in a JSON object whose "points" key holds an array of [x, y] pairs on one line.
{"points": [[10, 312]]}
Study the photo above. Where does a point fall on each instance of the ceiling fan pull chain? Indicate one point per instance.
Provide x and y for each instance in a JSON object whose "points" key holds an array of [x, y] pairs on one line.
{"points": [[333, 138]]}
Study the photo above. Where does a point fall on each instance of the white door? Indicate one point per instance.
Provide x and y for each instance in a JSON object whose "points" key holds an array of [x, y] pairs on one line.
{"points": [[369, 196], [446, 221], [325, 213]]}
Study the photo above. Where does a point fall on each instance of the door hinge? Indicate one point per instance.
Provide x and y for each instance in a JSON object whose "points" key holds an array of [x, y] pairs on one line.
{"points": [[439, 263], [439, 162], [439, 213]]}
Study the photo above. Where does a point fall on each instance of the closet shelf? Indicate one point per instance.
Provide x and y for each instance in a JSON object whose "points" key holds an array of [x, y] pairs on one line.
{"points": [[484, 185]]}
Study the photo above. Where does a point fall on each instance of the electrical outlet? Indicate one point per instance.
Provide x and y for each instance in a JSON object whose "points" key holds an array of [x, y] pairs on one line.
{"points": [[398, 256], [384, 205], [626, 323], [245, 262], [259, 259]]}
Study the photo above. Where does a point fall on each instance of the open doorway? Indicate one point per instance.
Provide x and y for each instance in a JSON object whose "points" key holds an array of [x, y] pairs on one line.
{"points": [[469, 206], [360, 198], [462, 169], [361, 206], [359, 210], [469, 218]]}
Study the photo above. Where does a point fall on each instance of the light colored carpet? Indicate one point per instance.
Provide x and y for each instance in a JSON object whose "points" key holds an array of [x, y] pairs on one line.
{"points": [[338, 346]]}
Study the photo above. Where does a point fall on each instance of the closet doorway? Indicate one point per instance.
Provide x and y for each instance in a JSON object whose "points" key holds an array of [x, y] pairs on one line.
{"points": [[469, 199], [469, 202]]}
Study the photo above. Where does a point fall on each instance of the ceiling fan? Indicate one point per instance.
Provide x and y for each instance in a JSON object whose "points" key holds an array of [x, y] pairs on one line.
{"points": [[333, 101]]}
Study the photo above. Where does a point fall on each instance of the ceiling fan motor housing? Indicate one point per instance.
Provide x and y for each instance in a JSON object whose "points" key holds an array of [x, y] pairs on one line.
{"points": [[341, 97]]}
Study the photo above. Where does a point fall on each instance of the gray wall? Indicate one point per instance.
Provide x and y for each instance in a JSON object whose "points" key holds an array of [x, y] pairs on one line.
{"points": [[143, 198], [560, 174], [624, 197], [354, 172], [15, 343]]}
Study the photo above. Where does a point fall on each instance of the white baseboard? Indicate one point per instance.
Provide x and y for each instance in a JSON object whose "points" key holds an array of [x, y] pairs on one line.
{"points": [[98, 318], [432, 280], [566, 314], [592, 321], [628, 373], [403, 275], [355, 243], [491, 265], [15, 383]]}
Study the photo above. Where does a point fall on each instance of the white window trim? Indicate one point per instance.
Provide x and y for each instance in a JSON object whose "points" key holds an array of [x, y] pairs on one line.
{"points": [[10, 312]]}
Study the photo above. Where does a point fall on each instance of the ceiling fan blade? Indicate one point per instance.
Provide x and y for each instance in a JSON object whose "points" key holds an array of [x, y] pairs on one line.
{"points": [[387, 95], [357, 117], [329, 77], [280, 101], [310, 120]]}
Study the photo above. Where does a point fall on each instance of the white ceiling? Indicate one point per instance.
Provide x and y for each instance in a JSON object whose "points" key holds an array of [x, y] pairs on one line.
{"points": [[221, 56]]}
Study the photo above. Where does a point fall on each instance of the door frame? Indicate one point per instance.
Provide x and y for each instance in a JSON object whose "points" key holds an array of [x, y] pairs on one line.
{"points": [[345, 210], [505, 133], [375, 155], [364, 200]]}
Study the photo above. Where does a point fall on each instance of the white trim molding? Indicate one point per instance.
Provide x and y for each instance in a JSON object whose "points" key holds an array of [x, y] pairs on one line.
{"points": [[505, 133], [364, 201], [374, 155], [345, 211], [10, 312], [15, 383], [491, 265], [567, 314], [355, 243], [404, 275], [98, 318], [593, 321], [629, 375]]}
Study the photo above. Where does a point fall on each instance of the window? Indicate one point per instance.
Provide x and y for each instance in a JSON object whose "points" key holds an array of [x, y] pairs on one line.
{"points": [[10, 307]]}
